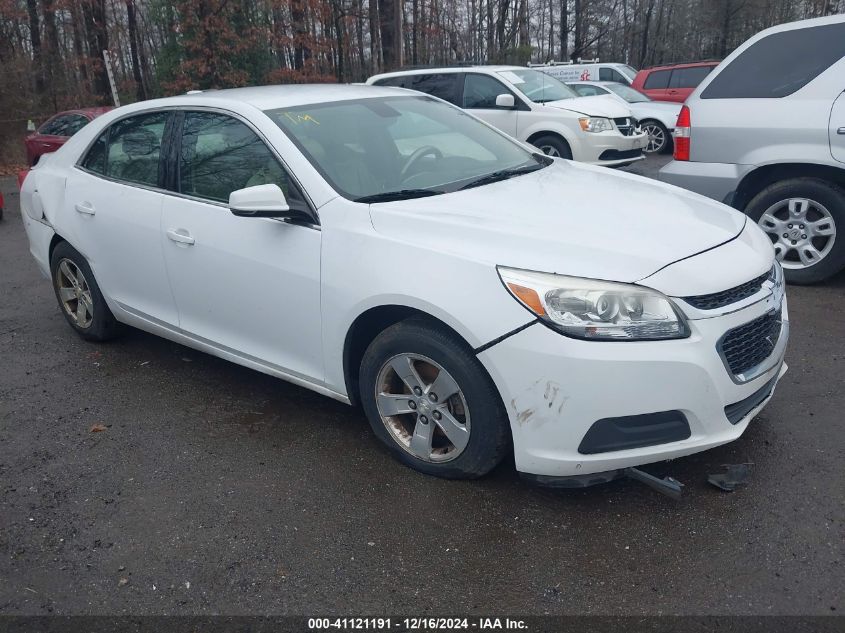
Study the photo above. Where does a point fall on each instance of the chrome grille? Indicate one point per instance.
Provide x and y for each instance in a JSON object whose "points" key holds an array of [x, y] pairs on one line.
{"points": [[626, 125], [729, 296], [748, 345]]}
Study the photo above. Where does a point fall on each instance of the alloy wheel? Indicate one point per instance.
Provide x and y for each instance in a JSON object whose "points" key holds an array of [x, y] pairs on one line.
{"points": [[656, 138], [548, 150], [423, 408], [74, 293], [802, 231]]}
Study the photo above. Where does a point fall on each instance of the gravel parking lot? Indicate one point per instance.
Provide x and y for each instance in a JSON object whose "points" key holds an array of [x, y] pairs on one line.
{"points": [[216, 489]]}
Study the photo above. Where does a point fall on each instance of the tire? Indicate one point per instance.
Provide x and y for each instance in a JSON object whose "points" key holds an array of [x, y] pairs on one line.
{"points": [[476, 406], [66, 263], [655, 129], [552, 145], [796, 208]]}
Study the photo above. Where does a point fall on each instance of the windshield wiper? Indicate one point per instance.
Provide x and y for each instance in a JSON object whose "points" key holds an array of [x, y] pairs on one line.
{"points": [[503, 174], [402, 194]]}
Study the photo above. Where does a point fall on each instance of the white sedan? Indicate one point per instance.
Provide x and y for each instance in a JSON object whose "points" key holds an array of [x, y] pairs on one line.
{"points": [[656, 118], [385, 248]]}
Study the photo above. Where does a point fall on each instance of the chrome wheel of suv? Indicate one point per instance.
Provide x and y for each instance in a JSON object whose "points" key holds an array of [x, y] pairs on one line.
{"points": [[802, 229]]}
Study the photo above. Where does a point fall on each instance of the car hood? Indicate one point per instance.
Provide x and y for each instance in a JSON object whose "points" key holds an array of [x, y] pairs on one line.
{"points": [[567, 218], [599, 105]]}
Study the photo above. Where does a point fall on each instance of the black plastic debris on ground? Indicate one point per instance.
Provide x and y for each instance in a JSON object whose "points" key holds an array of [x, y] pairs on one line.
{"points": [[734, 475]]}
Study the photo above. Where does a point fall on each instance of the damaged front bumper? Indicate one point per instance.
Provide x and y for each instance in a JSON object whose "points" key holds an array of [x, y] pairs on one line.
{"points": [[678, 396]]}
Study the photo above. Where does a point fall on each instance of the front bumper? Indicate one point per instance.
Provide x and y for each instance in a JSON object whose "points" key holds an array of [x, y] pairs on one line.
{"points": [[555, 388], [714, 180], [612, 149]]}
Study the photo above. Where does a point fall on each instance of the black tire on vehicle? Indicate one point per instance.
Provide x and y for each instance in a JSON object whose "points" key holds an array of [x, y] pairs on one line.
{"points": [[552, 145], [424, 344], [826, 200], [74, 285], [661, 133]]}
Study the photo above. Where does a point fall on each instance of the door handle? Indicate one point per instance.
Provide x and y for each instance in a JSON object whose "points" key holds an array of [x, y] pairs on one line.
{"points": [[85, 208], [180, 236], [841, 130]]}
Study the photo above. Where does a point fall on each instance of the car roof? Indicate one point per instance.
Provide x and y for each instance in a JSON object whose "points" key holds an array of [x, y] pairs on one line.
{"points": [[450, 69], [707, 62], [280, 96]]}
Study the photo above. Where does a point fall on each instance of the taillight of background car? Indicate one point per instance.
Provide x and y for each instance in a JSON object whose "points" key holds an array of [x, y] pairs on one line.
{"points": [[682, 135]]}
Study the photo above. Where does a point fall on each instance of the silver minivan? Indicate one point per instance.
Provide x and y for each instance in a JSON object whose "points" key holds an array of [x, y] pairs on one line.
{"points": [[765, 133]]}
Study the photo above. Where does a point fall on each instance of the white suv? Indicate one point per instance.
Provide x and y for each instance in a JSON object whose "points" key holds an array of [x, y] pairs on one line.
{"points": [[534, 108]]}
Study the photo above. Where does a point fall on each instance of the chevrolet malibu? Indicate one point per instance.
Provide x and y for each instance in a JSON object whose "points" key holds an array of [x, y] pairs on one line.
{"points": [[387, 249]]}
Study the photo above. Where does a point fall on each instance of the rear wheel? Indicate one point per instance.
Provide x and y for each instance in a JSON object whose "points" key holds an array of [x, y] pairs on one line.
{"points": [[430, 401], [79, 296], [659, 139], [801, 217], [553, 146]]}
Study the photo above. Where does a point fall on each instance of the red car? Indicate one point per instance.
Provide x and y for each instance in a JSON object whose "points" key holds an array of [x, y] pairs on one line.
{"points": [[674, 82], [56, 130]]}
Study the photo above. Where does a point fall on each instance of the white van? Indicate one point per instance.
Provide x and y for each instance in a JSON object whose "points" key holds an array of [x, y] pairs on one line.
{"points": [[534, 108], [588, 70]]}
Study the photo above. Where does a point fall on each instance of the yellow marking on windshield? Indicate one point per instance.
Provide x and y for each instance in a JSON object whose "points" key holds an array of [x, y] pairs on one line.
{"points": [[296, 118]]}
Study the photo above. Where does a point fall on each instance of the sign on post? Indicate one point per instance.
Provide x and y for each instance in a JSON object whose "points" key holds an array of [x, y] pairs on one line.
{"points": [[107, 60]]}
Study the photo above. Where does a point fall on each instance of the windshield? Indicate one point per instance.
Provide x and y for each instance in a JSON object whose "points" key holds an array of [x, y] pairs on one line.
{"points": [[537, 86], [402, 147], [629, 94], [629, 72]]}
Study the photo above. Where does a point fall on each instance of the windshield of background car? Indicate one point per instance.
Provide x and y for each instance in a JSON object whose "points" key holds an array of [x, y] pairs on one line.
{"points": [[367, 147], [629, 72], [629, 94], [537, 86]]}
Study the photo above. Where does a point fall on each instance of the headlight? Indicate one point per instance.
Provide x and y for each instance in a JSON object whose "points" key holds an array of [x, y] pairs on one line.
{"points": [[596, 310], [595, 124]]}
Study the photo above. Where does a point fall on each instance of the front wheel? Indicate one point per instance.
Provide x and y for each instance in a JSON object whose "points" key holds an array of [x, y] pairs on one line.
{"points": [[659, 139], [430, 401], [553, 146], [801, 217]]}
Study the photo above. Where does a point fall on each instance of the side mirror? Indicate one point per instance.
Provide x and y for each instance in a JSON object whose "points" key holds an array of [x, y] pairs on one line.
{"points": [[505, 101], [261, 201]]}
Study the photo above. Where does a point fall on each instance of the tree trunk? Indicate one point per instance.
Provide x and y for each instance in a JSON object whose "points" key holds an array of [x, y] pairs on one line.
{"points": [[53, 68], [375, 42], [79, 51], [132, 26], [564, 31], [35, 40], [98, 41], [576, 51], [301, 53], [390, 22]]}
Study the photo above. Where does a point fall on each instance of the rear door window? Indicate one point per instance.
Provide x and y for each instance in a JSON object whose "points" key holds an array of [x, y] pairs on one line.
{"points": [[657, 80], [689, 77], [442, 85], [779, 64], [134, 148]]}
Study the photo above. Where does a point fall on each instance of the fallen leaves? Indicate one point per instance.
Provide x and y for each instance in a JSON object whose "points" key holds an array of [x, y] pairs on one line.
{"points": [[98, 428]]}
